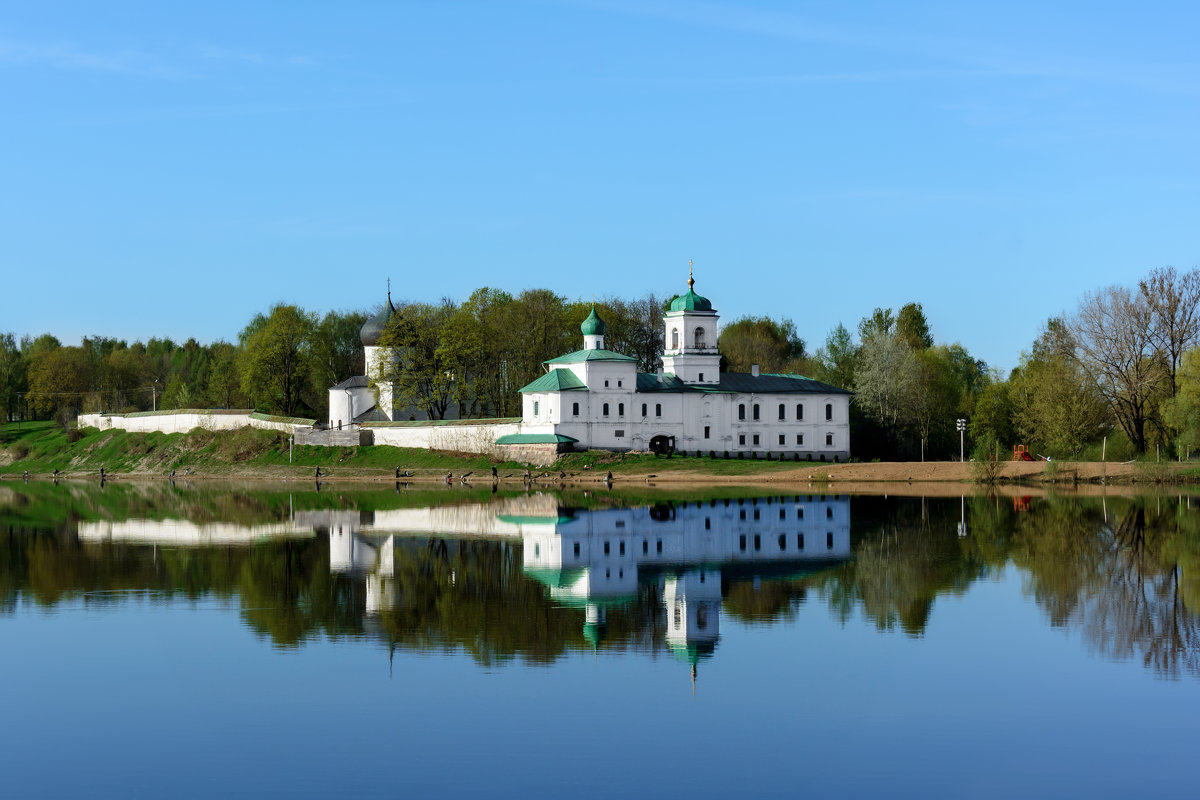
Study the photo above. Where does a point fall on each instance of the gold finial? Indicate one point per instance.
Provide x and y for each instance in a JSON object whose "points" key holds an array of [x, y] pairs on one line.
{"points": [[691, 280]]}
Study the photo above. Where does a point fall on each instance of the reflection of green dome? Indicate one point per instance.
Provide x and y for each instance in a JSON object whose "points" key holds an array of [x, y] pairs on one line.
{"points": [[691, 301], [594, 634], [593, 325], [694, 652]]}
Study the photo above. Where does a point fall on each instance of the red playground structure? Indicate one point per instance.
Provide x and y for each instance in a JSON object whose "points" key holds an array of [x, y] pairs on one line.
{"points": [[1020, 453]]}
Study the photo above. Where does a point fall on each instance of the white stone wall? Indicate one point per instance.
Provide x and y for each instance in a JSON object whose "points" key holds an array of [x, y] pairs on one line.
{"points": [[478, 438], [182, 422]]}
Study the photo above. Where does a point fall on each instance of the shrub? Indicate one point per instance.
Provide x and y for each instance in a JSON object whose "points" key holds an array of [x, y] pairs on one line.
{"points": [[74, 434], [822, 456], [727, 455], [985, 459], [741, 454], [712, 453]]}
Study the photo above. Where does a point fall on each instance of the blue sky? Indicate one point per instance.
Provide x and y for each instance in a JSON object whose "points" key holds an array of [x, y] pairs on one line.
{"points": [[171, 169]]}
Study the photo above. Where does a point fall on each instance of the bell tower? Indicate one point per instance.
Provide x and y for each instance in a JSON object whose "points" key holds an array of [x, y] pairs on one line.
{"points": [[691, 338]]}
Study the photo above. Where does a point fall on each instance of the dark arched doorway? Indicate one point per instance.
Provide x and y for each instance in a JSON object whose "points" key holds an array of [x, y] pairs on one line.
{"points": [[662, 445]]}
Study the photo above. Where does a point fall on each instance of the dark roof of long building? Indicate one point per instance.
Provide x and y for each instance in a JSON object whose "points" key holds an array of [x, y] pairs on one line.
{"points": [[354, 382], [739, 383]]}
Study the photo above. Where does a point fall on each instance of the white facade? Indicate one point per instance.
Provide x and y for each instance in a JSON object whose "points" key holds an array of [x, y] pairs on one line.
{"points": [[603, 402]]}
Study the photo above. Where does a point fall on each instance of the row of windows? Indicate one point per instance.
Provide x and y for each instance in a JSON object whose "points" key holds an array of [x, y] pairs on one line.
{"points": [[658, 547], [605, 410], [782, 439], [782, 411], [782, 514], [782, 542]]}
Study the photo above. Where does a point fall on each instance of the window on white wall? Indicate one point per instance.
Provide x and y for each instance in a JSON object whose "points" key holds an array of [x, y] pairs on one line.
{"points": [[575, 409], [829, 440], [675, 338], [605, 409], [699, 338], [535, 408]]}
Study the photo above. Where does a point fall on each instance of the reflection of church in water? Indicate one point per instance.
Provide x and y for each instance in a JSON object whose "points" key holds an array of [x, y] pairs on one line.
{"points": [[599, 560], [685, 556]]}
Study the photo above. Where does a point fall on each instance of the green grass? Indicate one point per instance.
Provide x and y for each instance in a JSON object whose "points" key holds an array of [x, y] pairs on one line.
{"points": [[42, 447]]}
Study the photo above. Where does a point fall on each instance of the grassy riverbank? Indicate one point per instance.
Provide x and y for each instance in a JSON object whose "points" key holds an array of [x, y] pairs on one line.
{"points": [[42, 447]]}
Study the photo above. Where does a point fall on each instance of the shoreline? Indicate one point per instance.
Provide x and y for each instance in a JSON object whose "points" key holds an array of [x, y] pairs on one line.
{"points": [[926, 478]]}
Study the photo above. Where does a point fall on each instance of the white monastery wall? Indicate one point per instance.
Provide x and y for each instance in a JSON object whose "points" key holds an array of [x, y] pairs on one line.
{"points": [[465, 438], [184, 421]]}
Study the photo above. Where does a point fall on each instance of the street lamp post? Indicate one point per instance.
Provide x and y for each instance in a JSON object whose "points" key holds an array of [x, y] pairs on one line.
{"points": [[154, 395], [962, 426]]}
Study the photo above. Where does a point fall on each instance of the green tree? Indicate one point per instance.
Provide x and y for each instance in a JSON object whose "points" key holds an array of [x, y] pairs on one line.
{"points": [[275, 358], [913, 327], [993, 415], [935, 394], [772, 344], [421, 371], [836, 360], [881, 323], [223, 389], [12, 375], [60, 382], [1182, 412], [886, 380], [1055, 405], [335, 353]]}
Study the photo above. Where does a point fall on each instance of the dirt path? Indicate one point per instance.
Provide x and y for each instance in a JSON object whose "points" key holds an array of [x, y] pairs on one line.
{"points": [[876, 477]]}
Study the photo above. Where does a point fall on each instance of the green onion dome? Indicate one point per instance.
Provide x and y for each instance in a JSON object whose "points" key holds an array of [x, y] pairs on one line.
{"points": [[593, 325]]}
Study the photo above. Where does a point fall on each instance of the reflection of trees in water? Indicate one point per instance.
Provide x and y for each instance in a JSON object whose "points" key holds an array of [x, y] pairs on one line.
{"points": [[1118, 581], [474, 595], [1125, 573], [909, 554], [451, 594]]}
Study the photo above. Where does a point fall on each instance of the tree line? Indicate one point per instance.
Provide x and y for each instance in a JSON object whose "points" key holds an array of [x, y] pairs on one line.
{"points": [[1122, 371]]}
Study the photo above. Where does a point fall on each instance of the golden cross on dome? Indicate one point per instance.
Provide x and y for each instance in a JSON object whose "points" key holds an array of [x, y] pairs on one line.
{"points": [[691, 280]]}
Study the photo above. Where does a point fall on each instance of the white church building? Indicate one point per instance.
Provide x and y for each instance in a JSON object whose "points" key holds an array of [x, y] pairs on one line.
{"points": [[595, 398], [353, 401]]}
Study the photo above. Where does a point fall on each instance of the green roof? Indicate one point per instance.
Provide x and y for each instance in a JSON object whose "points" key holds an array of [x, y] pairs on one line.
{"points": [[529, 519], [589, 355], [593, 325], [535, 438], [691, 302], [556, 380]]}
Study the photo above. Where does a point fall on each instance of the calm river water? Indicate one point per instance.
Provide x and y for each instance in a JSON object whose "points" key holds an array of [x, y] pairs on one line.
{"points": [[200, 641]]}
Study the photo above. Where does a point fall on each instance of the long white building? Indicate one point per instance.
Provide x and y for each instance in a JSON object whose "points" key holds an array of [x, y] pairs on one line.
{"points": [[595, 398]]}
